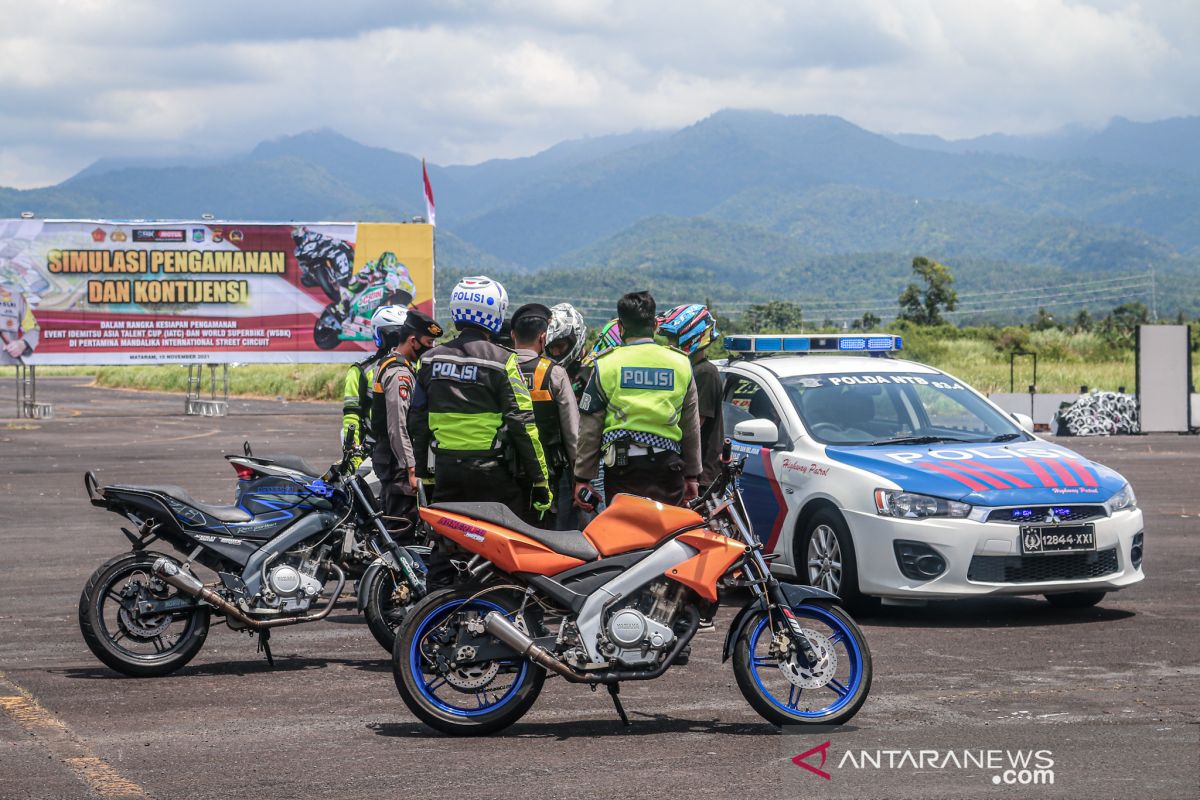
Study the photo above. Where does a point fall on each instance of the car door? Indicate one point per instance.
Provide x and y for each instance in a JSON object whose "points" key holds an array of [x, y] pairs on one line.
{"points": [[746, 398]]}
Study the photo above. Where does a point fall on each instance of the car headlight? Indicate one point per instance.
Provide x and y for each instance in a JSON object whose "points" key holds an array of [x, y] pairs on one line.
{"points": [[1125, 498], [891, 503]]}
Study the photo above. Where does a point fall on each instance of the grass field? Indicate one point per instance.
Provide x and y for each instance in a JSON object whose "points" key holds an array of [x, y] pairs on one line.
{"points": [[1065, 362]]}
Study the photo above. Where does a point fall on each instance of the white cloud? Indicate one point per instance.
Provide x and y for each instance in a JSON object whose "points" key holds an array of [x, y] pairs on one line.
{"points": [[461, 82]]}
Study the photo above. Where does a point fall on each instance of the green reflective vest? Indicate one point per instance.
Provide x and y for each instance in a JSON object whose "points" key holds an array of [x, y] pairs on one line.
{"points": [[645, 385]]}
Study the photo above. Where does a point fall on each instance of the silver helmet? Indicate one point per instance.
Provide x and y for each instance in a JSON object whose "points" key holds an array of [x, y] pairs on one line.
{"points": [[566, 323]]}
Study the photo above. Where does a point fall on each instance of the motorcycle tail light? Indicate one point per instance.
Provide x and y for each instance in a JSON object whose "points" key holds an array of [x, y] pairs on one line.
{"points": [[244, 473]]}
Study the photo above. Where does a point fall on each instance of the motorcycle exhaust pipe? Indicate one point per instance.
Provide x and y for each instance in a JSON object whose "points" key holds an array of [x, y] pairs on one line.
{"points": [[186, 582], [498, 625]]}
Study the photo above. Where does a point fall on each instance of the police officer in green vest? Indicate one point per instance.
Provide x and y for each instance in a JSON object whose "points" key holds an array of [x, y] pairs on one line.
{"points": [[472, 409], [639, 415], [554, 407]]}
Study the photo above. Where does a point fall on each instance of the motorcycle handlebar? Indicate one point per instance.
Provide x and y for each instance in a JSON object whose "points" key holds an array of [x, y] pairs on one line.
{"points": [[729, 470]]}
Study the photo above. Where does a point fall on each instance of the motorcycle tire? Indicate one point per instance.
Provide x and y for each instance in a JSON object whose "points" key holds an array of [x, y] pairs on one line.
{"points": [[750, 669], [327, 281], [384, 616], [325, 337], [474, 718], [105, 643]]}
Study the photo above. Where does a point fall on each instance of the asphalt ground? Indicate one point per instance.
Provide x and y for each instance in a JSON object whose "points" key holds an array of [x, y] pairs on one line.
{"points": [[1113, 692]]}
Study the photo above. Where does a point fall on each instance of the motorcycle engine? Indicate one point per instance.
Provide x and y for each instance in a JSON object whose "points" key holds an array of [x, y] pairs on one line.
{"points": [[293, 585], [636, 633]]}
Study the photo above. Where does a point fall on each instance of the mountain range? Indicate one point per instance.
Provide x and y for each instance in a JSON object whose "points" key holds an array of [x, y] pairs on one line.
{"points": [[740, 207]]}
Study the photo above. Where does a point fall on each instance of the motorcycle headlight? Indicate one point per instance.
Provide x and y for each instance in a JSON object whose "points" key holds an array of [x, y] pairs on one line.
{"points": [[892, 503], [1125, 498]]}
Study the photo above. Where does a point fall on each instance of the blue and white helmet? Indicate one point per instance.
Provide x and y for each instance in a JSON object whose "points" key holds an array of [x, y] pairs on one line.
{"points": [[386, 319], [692, 327], [479, 301]]}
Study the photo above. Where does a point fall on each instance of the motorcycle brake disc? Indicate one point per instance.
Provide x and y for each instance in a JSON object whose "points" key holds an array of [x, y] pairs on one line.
{"points": [[473, 676], [140, 626], [821, 672]]}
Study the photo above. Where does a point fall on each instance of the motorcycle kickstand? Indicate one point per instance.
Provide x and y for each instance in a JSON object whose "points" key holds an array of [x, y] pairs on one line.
{"points": [[264, 645], [614, 691]]}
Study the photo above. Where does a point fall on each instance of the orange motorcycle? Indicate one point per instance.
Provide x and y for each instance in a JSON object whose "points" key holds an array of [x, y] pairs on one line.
{"points": [[618, 601]]}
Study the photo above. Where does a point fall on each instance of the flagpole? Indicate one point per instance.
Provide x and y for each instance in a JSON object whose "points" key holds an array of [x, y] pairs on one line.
{"points": [[431, 218]]}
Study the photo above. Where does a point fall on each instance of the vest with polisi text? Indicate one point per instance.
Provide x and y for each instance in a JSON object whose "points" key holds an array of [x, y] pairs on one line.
{"points": [[645, 385]]}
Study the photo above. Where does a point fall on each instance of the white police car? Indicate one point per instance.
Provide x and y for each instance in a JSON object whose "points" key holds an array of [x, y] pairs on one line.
{"points": [[876, 477]]}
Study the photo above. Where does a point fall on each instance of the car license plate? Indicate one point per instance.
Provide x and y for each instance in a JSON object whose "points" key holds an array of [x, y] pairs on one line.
{"points": [[1036, 540]]}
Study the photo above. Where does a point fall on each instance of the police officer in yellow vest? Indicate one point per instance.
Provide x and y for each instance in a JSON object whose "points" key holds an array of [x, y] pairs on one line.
{"points": [[639, 414]]}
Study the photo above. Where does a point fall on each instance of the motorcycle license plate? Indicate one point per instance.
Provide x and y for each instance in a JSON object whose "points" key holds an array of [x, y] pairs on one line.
{"points": [[1037, 540]]}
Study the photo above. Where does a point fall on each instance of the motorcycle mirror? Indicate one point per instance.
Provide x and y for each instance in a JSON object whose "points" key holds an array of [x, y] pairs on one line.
{"points": [[348, 439]]}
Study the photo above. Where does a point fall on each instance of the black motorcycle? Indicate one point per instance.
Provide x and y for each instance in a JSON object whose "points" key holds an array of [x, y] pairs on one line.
{"points": [[383, 591], [273, 553], [324, 261]]}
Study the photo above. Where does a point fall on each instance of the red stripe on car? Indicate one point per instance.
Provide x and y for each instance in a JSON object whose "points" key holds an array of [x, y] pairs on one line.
{"points": [[1020, 483], [958, 476], [1084, 473], [777, 525], [1067, 478], [1040, 471], [978, 473]]}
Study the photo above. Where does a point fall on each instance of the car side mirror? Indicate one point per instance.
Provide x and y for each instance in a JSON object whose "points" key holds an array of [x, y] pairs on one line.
{"points": [[756, 431], [1024, 420]]}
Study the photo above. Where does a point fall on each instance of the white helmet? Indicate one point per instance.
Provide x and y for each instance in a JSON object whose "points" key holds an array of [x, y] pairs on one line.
{"points": [[386, 319], [567, 323], [479, 301]]}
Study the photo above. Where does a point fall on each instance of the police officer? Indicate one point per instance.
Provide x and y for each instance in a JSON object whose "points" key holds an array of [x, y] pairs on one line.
{"points": [[691, 329], [392, 455], [471, 405], [639, 413], [357, 389], [554, 408]]}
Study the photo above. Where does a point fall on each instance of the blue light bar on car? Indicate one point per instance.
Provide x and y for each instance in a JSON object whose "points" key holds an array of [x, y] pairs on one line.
{"points": [[814, 343]]}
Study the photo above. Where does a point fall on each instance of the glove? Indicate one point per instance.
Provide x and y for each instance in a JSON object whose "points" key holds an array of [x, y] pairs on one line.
{"points": [[541, 498]]}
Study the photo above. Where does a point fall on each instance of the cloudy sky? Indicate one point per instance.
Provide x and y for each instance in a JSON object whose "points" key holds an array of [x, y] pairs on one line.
{"points": [[460, 82]]}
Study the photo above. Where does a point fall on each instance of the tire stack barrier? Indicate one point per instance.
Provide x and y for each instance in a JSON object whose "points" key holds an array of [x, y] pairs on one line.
{"points": [[1099, 414]]}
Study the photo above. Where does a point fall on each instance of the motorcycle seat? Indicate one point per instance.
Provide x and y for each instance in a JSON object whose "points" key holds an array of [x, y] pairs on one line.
{"points": [[290, 462], [567, 543], [219, 513]]}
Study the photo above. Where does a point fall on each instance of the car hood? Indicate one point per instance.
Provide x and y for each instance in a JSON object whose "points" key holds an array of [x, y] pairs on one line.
{"points": [[1013, 473]]}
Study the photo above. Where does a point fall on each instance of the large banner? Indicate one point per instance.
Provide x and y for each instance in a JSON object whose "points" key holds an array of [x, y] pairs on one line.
{"points": [[88, 292]]}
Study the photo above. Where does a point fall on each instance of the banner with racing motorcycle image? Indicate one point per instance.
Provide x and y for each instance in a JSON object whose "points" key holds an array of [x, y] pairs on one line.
{"points": [[79, 292]]}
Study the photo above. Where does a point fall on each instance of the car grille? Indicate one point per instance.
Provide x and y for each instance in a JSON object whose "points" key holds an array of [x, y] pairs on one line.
{"points": [[1036, 569], [1038, 514]]}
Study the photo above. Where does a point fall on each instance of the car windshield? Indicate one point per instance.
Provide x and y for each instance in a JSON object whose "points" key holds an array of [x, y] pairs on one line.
{"points": [[895, 408]]}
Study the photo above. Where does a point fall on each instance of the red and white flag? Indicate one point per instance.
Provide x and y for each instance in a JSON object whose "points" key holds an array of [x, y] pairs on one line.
{"points": [[430, 209]]}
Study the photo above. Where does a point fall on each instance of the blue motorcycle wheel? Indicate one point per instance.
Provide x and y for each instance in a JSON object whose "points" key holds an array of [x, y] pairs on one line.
{"points": [[786, 694], [474, 700]]}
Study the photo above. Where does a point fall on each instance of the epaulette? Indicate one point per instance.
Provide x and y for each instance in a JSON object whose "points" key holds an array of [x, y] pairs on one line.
{"points": [[369, 360], [601, 354], [383, 365]]}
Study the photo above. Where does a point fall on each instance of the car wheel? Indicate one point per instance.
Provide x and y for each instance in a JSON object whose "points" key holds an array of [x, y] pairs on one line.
{"points": [[825, 558], [1075, 599]]}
